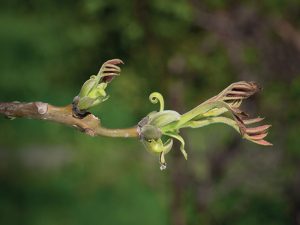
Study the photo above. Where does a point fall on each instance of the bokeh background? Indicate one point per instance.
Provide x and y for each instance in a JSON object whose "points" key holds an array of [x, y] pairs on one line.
{"points": [[188, 50]]}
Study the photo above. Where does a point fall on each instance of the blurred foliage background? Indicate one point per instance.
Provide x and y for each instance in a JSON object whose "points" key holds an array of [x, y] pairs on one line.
{"points": [[188, 51]]}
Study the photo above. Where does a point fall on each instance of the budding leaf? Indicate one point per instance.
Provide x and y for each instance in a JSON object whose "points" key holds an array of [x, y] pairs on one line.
{"points": [[222, 108], [93, 92]]}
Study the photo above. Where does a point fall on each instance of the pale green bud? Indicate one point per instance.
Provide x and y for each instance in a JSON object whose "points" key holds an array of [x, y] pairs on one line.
{"points": [[92, 91], [149, 132], [162, 118]]}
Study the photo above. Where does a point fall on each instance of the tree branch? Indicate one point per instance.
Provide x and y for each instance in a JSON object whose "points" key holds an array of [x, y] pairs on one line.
{"points": [[90, 124]]}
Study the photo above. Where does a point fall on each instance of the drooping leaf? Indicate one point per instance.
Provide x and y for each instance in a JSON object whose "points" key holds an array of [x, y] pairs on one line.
{"points": [[182, 143]]}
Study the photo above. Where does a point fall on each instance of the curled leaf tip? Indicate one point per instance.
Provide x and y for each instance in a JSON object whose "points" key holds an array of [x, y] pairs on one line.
{"points": [[156, 97]]}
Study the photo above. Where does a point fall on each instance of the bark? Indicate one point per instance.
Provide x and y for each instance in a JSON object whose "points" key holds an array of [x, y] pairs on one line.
{"points": [[90, 124]]}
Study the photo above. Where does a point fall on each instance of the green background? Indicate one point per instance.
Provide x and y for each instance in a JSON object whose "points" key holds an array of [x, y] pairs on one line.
{"points": [[187, 50]]}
